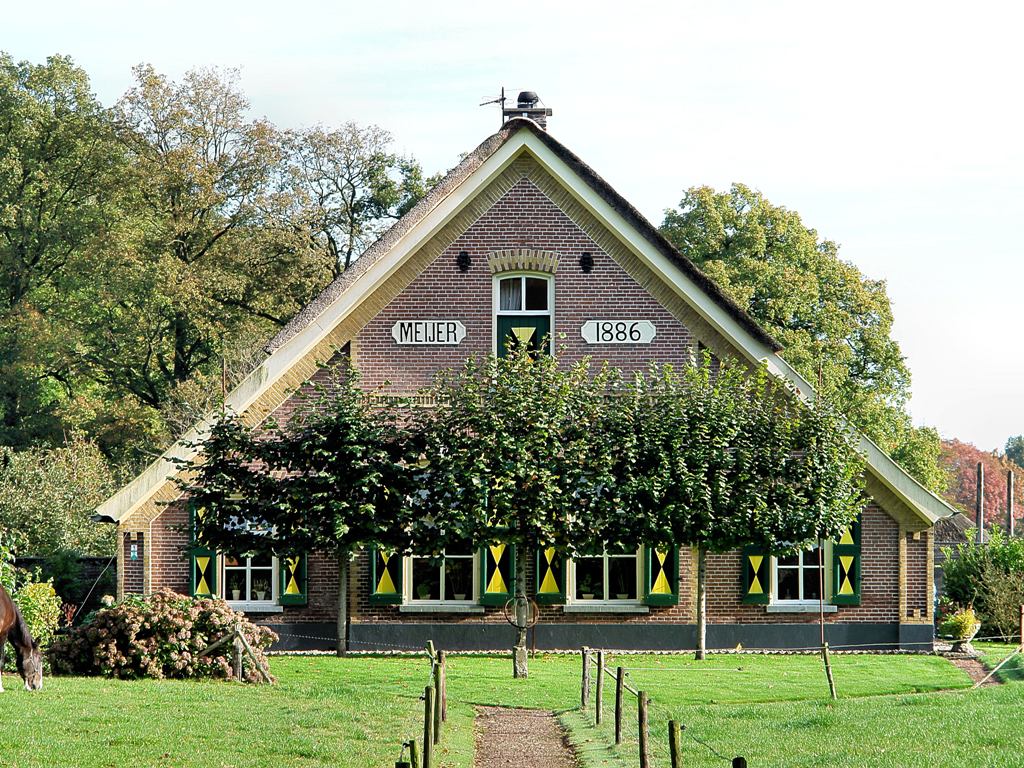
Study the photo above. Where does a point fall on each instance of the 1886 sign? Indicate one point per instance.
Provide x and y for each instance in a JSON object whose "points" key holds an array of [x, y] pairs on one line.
{"points": [[618, 331], [428, 332]]}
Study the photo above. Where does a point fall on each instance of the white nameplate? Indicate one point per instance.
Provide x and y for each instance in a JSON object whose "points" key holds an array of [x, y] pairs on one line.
{"points": [[428, 332], [618, 331]]}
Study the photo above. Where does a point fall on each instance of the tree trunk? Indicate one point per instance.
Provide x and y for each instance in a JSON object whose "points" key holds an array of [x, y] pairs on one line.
{"points": [[342, 602], [520, 667], [702, 602]]}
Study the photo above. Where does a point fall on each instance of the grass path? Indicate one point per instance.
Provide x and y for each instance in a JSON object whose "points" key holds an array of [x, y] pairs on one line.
{"points": [[355, 713]]}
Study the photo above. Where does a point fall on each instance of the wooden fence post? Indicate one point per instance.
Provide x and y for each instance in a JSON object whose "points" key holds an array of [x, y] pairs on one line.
{"points": [[237, 643], [599, 692], [585, 681], [442, 684], [428, 727], [414, 754], [437, 702], [641, 716], [620, 679], [674, 748], [1009, 503], [979, 503], [1022, 626], [739, 762]]}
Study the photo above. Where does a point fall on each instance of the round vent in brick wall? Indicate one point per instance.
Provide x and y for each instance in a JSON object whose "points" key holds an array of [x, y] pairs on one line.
{"points": [[587, 262]]}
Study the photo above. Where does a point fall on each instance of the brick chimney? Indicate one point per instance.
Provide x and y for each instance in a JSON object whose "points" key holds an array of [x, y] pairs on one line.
{"points": [[528, 105]]}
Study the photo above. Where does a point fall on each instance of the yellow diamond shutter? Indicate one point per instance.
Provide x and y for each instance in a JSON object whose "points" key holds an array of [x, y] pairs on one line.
{"points": [[386, 577], [293, 580], [550, 576], [497, 573], [757, 575], [846, 567], [202, 561], [661, 575]]}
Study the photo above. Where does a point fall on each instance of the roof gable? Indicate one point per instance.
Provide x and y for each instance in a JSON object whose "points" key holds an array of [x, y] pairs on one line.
{"points": [[329, 321]]}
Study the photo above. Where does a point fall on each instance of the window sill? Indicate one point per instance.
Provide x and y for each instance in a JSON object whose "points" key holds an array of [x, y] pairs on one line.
{"points": [[440, 608], [606, 608], [250, 607], [799, 608]]}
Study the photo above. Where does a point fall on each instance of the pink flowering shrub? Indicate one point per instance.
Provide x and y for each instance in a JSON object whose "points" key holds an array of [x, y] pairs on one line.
{"points": [[159, 636]]}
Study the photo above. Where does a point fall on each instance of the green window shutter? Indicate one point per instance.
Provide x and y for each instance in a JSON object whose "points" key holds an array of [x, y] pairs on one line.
{"points": [[846, 567], [757, 576], [386, 578], [532, 330], [202, 562], [293, 580], [661, 576], [550, 576], [497, 573]]}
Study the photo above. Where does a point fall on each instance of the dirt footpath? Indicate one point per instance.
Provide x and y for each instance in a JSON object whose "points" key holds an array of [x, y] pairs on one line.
{"points": [[526, 738]]}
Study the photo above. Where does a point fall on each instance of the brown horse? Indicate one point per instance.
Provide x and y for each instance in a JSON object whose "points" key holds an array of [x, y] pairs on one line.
{"points": [[14, 628]]}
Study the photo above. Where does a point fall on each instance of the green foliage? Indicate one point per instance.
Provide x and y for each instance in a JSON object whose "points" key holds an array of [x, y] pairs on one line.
{"points": [[47, 496], [960, 625], [1015, 450], [40, 607], [960, 460], [989, 577], [831, 320], [158, 636], [721, 459], [515, 451], [333, 477]]}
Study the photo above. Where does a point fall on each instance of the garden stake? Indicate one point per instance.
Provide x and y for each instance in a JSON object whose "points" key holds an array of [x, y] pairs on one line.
{"points": [[585, 683], [599, 693], [428, 727], [620, 679], [673, 744], [641, 716]]}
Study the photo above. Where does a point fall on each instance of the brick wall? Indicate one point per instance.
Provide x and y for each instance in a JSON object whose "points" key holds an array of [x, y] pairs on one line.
{"points": [[918, 597], [133, 571], [523, 217]]}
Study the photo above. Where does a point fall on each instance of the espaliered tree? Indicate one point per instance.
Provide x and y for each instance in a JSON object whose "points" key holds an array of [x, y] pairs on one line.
{"points": [[333, 478], [513, 454], [721, 459]]}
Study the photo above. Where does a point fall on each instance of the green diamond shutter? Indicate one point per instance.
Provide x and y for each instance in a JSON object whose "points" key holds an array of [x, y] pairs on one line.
{"points": [[757, 575], [497, 573], [550, 576], [386, 577], [661, 576], [846, 567], [292, 588], [202, 562]]}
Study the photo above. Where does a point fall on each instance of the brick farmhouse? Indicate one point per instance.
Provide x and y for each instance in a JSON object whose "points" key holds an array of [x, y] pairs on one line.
{"points": [[523, 240]]}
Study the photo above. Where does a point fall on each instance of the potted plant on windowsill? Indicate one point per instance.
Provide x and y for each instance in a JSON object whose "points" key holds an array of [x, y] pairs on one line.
{"points": [[261, 587], [961, 626]]}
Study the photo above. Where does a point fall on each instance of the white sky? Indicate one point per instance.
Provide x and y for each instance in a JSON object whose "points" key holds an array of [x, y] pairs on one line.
{"points": [[893, 128]]}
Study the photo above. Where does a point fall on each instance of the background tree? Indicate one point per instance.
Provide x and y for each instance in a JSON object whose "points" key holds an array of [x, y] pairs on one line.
{"points": [[57, 160], [1015, 450], [48, 495], [514, 454], [333, 478], [728, 459], [829, 317], [960, 460]]}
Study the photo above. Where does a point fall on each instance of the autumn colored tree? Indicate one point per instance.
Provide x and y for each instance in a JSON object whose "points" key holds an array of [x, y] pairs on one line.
{"points": [[960, 460]]}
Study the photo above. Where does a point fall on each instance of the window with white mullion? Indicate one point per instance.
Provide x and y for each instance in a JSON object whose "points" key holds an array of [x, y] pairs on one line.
{"points": [[798, 577], [447, 579], [608, 577], [249, 579]]}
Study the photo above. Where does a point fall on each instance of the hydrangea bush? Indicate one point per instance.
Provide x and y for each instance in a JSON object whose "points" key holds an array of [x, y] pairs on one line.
{"points": [[158, 636]]}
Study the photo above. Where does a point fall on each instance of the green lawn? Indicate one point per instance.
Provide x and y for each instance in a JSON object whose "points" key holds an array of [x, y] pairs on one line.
{"points": [[355, 712]]}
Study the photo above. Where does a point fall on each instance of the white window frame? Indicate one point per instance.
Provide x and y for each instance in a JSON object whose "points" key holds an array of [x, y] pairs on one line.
{"points": [[826, 562], [570, 577], [252, 606], [496, 305], [409, 597]]}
